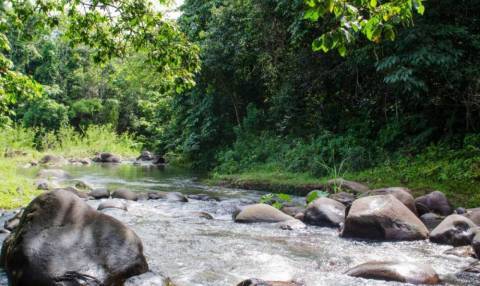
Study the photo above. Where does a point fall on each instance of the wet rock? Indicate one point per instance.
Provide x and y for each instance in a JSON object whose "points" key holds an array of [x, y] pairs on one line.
{"points": [[473, 268], [53, 174], [74, 191], [461, 251], [292, 210], [300, 216], [454, 230], [383, 218], [431, 220], [260, 213], [149, 279], [343, 197], [434, 202], [402, 194], [291, 224], [204, 215], [340, 184], [13, 222], [396, 271], [476, 243], [145, 156], [84, 186], [53, 160], [107, 158], [160, 161], [80, 162], [125, 194], [101, 193], [45, 185], [460, 210], [81, 246], [325, 212], [259, 282], [473, 215], [202, 197], [112, 204], [169, 196]]}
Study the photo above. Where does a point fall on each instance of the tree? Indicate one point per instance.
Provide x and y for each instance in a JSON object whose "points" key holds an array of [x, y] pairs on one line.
{"points": [[373, 19]]}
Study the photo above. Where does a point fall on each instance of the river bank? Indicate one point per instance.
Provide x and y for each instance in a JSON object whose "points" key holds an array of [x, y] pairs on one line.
{"points": [[460, 193]]}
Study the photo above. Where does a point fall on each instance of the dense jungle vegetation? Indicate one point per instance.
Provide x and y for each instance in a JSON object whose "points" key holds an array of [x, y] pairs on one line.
{"points": [[281, 92]]}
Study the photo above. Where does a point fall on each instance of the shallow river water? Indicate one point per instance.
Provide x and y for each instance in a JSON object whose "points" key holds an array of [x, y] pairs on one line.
{"points": [[195, 251]]}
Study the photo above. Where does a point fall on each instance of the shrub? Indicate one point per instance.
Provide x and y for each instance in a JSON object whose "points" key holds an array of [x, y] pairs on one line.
{"points": [[46, 114]]}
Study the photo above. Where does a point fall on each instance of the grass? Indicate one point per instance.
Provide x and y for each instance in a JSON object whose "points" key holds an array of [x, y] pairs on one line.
{"points": [[17, 188]]}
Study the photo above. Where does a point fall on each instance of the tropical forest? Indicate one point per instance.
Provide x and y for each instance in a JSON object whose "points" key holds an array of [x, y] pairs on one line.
{"points": [[239, 142]]}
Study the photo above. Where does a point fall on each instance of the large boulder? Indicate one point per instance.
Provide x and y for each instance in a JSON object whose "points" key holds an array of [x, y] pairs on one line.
{"points": [[62, 241], [107, 158], [325, 212], [412, 273], [56, 174], [383, 218], [340, 184], [260, 213], [100, 193], [125, 194], [454, 230], [404, 195], [434, 202]]}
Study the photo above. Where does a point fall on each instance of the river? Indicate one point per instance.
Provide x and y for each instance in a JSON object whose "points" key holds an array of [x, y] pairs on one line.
{"points": [[192, 250]]}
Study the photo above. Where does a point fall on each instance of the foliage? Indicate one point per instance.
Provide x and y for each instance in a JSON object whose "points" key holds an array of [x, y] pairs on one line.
{"points": [[276, 200], [46, 114], [374, 19], [315, 194]]}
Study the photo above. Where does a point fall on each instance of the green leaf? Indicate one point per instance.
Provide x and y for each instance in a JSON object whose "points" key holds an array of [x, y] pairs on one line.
{"points": [[373, 3]]}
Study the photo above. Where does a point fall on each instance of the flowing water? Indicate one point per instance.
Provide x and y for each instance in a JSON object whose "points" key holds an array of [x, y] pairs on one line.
{"points": [[192, 250]]}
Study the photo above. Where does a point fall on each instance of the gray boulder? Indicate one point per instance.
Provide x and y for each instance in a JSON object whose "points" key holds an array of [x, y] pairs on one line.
{"points": [[412, 273], [383, 218], [62, 241], [454, 230], [434, 202], [404, 195], [100, 193], [325, 212], [107, 158], [125, 194], [260, 213]]}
